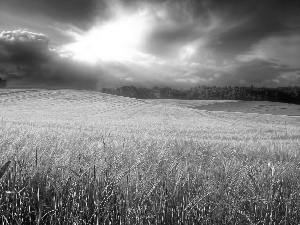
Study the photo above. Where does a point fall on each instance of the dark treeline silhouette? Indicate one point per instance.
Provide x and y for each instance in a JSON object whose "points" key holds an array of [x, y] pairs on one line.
{"points": [[279, 94], [2, 83]]}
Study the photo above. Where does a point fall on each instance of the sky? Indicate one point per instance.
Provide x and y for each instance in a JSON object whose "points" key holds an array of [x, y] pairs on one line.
{"points": [[91, 44]]}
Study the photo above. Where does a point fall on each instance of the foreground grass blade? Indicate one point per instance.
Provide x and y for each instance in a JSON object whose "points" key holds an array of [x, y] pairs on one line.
{"points": [[4, 168]]}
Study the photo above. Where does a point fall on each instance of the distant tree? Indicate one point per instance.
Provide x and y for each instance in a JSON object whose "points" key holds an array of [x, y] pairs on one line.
{"points": [[280, 94], [3, 83]]}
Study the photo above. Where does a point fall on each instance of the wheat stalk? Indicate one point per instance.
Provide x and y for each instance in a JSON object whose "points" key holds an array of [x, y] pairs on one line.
{"points": [[4, 168]]}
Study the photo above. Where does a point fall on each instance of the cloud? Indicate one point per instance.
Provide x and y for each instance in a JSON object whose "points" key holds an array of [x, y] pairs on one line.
{"points": [[273, 61], [284, 50], [76, 12], [21, 46], [41, 67], [262, 73], [26, 60], [23, 36], [258, 72], [172, 42], [175, 28]]}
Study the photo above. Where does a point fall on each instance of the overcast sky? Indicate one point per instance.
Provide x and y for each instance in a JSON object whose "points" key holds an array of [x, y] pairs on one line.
{"points": [[102, 43]]}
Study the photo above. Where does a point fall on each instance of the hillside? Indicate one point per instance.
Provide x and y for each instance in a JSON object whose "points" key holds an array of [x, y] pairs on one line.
{"points": [[111, 159], [104, 112], [259, 107]]}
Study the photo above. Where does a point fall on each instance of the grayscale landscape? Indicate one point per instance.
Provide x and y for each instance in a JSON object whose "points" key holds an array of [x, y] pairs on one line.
{"points": [[149, 112], [79, 154]]}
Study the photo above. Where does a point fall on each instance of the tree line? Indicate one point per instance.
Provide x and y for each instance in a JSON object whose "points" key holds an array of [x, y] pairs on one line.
{"points": [[279, 94], [3, 83]]}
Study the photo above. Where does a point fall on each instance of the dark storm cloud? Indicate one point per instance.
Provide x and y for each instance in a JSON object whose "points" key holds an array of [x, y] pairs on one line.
{"points": [[187, 42], [284, 50], [261, 73], [54, 74], [23, 47], [77, 12], [230, 27], [55, 18], [262, 19], [57, 73], [257, 72], [26, 60], [235, 24]]}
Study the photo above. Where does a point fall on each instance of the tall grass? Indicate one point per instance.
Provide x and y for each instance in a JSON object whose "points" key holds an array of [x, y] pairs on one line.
{"points": [[181, 183], [80, 158]]}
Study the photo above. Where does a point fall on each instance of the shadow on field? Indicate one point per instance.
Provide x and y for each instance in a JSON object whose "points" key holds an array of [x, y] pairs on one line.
{"points": [[274, 108]]}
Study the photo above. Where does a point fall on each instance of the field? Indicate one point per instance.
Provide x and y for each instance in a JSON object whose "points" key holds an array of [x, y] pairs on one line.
{"points": [[261, 107], [80, 157]]}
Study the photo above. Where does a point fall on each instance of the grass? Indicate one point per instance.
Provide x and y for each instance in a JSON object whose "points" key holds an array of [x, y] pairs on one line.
{"points": [[261, 107], [87, 158]]}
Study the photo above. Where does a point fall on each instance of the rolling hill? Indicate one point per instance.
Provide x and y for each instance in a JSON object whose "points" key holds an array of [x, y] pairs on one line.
{"points": [[150, 153]]}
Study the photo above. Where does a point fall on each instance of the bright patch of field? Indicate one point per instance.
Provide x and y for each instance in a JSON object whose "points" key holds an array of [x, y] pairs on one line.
{"points": [[99, 113], [162, 156]]}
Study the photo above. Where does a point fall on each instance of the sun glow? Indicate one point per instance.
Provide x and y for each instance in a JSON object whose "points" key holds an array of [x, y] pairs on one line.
{"points": [[118, 40]]}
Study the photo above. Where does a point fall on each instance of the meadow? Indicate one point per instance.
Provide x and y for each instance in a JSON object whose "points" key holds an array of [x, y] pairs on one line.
{"points": [[80, 157]]}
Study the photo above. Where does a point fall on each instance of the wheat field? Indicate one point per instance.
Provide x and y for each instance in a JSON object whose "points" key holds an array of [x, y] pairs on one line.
{"points": [[81, 157]]}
